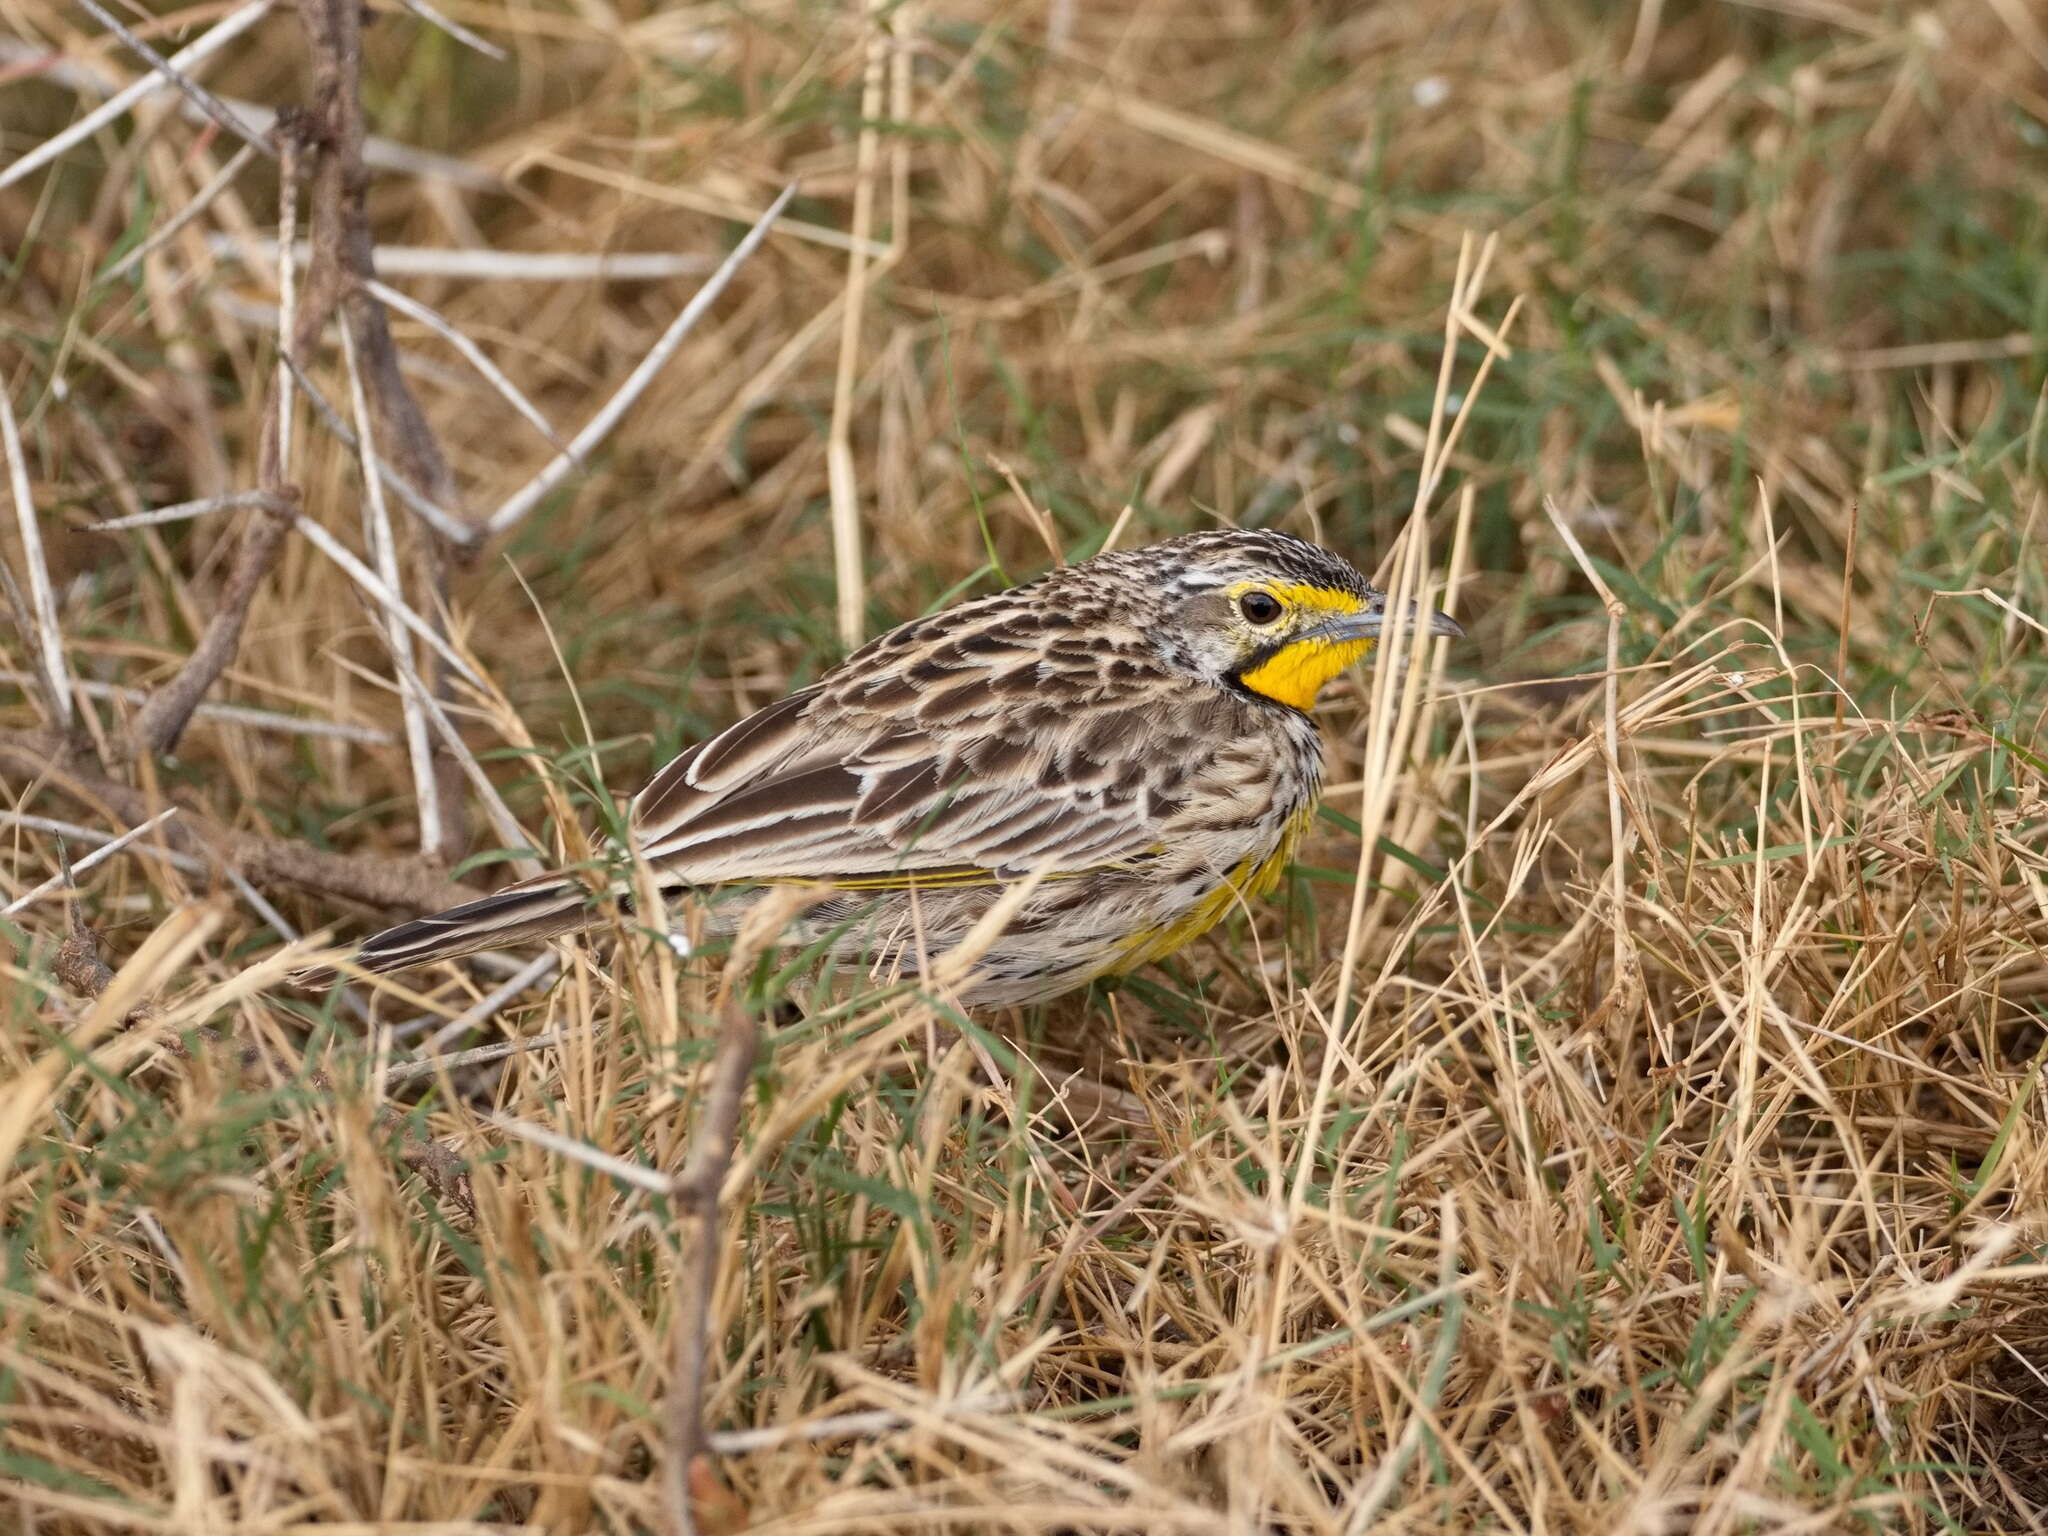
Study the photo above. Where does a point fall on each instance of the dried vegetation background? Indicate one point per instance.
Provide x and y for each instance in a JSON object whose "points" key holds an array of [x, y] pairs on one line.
{"points": [[1628, 1119]]}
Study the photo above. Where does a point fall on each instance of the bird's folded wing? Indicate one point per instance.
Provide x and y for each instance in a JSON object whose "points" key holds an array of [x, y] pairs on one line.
{"points": [[805, 791]]}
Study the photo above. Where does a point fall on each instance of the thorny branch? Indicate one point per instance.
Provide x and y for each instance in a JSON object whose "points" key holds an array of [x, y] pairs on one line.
{"points": [[328, 134], [334, 31], [165, 714], [341, 266]]}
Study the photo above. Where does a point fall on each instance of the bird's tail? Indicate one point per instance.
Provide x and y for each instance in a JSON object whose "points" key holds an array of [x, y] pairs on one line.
{"points": [[541, 908]]}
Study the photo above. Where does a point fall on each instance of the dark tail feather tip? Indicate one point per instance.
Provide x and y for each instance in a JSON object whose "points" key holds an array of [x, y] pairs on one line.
{"points": [[511, 916]]}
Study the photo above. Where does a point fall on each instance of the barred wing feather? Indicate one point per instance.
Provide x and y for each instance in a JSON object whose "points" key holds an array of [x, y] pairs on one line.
{"points": [[807, 791]]}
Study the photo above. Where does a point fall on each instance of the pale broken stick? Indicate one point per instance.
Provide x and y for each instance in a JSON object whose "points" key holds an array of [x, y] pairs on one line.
{"points": [[42, 596], [384, 549], [201, 201], [378, 153], [182, 511], [455, 29], [222, 115], [123, 101], [473, 354], [499, 266], [442, 521], [524, 500], [233, 714], [369, 581], [61, 881]]}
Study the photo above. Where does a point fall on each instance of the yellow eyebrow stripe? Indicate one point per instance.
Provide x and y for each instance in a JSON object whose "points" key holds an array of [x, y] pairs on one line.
{"points": [[1325, 602]]}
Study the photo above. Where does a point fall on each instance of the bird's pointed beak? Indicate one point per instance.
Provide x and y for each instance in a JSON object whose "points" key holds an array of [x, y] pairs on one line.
{"points": [[1370, 621]]}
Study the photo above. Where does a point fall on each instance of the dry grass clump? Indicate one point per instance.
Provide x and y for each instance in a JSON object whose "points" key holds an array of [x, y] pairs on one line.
{"points": [[1628, 1121]]}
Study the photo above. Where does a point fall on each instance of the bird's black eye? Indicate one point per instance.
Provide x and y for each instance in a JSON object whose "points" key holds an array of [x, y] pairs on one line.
{"points": [[1259, 607]]}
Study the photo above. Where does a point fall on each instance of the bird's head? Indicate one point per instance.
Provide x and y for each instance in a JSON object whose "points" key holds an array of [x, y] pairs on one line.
{"points": [[1266, 612]]}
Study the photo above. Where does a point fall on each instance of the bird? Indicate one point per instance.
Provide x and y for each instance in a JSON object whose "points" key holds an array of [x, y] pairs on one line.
{"points": [[1133, 730]]}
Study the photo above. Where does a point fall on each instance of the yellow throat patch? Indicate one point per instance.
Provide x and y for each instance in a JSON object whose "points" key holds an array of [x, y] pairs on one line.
{"points": [[1297, 672]]}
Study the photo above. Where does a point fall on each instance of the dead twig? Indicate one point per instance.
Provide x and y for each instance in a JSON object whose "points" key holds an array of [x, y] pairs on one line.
{"points": [[90, 79], [473, 354], [482, 1055], [164, 716], [384, 550], [184, 510], [529, 496], [194, 92], [122, 101], [334, 33], [455, 29], [695, 1194], [375, 586], [336, 277], [62, 880], [201, 201], [496, 266], [406, 884]]}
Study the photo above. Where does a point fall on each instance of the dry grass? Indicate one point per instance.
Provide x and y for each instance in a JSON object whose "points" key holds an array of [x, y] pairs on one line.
{"points": [[1635, 1129]]}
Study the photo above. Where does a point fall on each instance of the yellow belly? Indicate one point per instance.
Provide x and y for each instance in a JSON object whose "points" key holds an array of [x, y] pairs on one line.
{"points": [[1247, 882]]}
